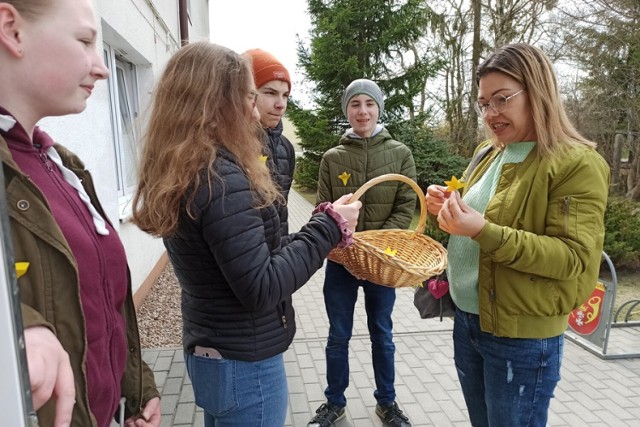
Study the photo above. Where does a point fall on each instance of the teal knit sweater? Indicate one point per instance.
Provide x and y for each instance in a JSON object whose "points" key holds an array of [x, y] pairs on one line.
{"points": [[463, 252]]}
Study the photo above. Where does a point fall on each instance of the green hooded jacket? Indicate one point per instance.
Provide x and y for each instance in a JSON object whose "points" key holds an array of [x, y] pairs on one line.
{"points": [[346, 167]]}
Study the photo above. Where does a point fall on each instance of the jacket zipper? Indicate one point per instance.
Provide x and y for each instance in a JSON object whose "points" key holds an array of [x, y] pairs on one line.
{"points": [[492, 291], [492, 298], [366, 158], [284, 317], [45, 160], [365, 144], [564, 209]]}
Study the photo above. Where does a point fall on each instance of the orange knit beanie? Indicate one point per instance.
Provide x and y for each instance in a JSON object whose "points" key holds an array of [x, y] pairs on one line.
{"points": [[266, 67]]}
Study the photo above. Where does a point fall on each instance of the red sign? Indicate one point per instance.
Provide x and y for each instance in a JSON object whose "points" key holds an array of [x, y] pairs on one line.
{"points": [[585, 319]]}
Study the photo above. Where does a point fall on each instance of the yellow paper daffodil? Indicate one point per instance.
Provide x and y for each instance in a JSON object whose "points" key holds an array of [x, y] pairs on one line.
{"points": [[455, 184], [263, 159], [390, 252], [344, 177], [21, 269]]}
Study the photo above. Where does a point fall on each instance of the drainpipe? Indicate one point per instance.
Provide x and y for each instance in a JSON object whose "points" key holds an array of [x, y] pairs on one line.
{"points": [[183, 12]]}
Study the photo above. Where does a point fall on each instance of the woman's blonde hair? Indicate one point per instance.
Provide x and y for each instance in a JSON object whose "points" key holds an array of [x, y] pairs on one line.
{"points": [[533, 69], [30, 9], [200, 104]]}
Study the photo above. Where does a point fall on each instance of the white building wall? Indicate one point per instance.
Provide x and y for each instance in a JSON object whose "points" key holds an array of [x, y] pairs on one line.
{"points": [[144, 33], [199, 18]]}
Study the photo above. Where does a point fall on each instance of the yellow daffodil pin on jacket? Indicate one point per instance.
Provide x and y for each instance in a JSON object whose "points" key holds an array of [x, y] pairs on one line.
{"points": [[455, 184], [21, 269], [263, 159], [344, 177]]}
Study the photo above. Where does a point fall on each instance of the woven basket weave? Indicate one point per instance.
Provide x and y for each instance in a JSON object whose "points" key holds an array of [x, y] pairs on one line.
{"points": [[417, 257]]}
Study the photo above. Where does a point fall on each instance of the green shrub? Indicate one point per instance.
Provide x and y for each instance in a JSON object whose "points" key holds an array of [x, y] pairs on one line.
{"points": [[622, 232], [430, 230], [306, 172], [435, 161], [436, 234]]}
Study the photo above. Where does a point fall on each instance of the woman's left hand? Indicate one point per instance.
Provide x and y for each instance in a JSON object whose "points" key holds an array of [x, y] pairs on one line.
{"points": [[457, 218], [349, 211], [150, 416]]}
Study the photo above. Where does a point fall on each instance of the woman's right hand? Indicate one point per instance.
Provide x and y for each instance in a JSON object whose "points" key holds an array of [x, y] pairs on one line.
{"points": [[50, 373], [436, 195], [349, 211]]}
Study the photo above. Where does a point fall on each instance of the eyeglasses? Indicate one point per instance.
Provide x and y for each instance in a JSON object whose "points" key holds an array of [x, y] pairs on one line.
{"points": [[497, 102]]}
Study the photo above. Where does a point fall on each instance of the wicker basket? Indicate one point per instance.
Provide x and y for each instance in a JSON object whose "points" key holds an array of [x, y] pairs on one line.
{"points": [[417, 257]]}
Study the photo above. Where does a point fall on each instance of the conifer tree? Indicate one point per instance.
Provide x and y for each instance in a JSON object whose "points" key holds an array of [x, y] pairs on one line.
{"points": [[350, 39]]}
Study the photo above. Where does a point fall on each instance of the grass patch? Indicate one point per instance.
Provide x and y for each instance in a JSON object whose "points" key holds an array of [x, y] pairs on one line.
{"points": [[628, 289]]}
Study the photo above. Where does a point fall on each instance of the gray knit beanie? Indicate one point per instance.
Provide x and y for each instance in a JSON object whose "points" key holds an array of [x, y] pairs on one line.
{"points": [[363, 87]]}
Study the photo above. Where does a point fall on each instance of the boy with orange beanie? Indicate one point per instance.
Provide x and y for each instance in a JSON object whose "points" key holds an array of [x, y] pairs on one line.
{"points": [[274, 85]]}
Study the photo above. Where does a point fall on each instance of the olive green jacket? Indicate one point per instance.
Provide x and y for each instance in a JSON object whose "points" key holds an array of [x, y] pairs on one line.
{"points": [[346, 167], [541, 246], [50, 293]]}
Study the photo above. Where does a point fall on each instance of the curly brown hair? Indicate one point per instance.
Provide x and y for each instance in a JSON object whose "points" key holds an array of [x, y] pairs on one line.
{"points": [[199, 105]]}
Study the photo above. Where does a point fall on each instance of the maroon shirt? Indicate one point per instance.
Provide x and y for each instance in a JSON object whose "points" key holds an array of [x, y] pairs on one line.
{"points": [[102, 270]]}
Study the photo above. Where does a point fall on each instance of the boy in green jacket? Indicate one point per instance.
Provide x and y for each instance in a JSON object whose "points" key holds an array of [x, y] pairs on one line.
{"points": [[365, 151]]}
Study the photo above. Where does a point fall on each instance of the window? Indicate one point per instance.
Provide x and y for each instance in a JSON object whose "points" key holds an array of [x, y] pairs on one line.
{"points": [[124, 107]]}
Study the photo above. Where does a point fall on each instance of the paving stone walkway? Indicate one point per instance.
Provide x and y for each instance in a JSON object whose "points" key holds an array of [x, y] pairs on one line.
{"points": [[593, 391]]}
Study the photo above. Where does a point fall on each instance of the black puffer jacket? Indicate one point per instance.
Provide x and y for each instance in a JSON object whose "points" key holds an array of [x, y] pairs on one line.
{"points": [[236, 278], [282, 163]]}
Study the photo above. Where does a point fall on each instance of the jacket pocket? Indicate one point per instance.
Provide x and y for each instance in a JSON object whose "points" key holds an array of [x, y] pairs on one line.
{"points": [[528, 294], [562, 218]]}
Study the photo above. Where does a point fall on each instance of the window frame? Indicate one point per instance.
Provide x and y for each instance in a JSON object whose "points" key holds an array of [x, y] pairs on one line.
{"points": [[125, 138]]}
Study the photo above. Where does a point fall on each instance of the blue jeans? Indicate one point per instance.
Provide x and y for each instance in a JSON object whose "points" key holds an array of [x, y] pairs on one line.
{"points": [[237, 393], [505, 381], [340, 295]]}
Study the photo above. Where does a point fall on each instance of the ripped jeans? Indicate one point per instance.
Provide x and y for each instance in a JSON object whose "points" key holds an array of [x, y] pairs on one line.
{"points": [[505, 381]]}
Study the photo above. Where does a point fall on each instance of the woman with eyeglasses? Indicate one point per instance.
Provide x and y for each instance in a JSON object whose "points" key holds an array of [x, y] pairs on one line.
{"points": [[526, 237]]}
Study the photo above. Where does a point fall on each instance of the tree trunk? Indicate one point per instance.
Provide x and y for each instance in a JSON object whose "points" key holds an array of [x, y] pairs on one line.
{"points": [[615, 164], [633, 183], [475, 61]]}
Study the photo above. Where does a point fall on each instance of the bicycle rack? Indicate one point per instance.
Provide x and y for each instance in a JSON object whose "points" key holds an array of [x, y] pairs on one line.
{"points": [[597, 339], [632, 305]]}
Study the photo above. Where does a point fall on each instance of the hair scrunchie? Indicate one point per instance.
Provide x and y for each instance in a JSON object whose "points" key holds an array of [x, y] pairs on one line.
{"points": [[343, 224]]}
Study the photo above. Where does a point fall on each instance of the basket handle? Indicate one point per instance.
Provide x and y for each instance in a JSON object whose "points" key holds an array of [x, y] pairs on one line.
{"points": [[422, 222]]}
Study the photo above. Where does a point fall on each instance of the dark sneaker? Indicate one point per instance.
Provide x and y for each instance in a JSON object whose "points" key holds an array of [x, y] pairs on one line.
{"points": [[392, 415], [326, 415]]}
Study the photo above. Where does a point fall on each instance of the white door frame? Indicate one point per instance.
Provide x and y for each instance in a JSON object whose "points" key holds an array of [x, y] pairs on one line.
{"points": [[15, 393]]}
